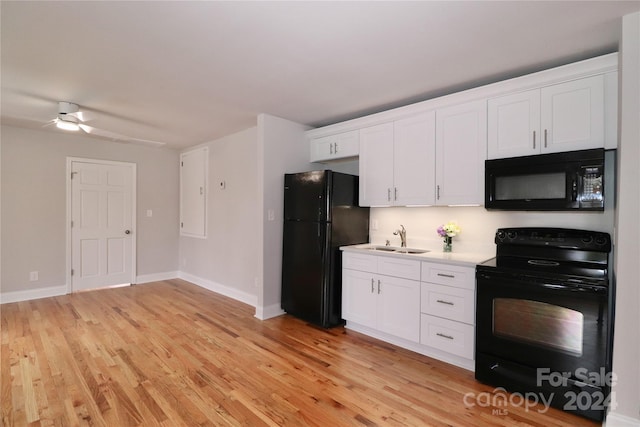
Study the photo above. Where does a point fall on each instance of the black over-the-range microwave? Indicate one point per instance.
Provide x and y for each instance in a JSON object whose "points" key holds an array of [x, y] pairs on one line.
{"points": [[571, 180]]}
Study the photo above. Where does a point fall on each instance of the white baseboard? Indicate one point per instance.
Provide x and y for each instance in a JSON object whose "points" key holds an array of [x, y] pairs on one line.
{"points": [[29, 294], [264, 313], [156, 277], [617, 420], [425, 350], [219, 288]]}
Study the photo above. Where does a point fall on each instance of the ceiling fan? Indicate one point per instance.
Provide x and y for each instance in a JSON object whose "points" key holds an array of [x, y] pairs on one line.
{"points": [[71, 118]]}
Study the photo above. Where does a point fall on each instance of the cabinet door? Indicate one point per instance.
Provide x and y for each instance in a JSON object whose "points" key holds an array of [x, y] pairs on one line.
{"points": [[322, 148], [193, 192], [514, 125], [399, 307], [414, 157], [347, 144], [359, 297], [572, 115], [461, 149], [334, 147], [376, 165]]}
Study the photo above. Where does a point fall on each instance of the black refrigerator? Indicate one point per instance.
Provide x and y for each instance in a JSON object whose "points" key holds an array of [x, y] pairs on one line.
{"points": [[321, 213]]}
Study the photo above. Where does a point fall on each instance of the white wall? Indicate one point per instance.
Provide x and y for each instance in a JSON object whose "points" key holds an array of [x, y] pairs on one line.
{"points": [[34, 205], [626, 348], [281, 149], [478, 225], [227, 260]]}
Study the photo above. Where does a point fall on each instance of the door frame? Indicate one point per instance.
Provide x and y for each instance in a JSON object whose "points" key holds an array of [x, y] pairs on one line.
{"points": [[134, 181]]}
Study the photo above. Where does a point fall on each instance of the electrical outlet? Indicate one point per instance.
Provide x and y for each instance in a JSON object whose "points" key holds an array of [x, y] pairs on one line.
{"points": [[271, 215], [33, 276], [374, 225], [149, 213]]}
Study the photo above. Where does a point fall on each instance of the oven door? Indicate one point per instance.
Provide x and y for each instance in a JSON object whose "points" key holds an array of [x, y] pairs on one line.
{"points": [[560, 325], [546, 337]]}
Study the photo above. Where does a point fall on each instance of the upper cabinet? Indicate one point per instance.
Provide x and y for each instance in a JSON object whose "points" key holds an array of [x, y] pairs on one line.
{"points": [[333, 147], [397, 162], [433, 152], [562, 117], [461, 149]]}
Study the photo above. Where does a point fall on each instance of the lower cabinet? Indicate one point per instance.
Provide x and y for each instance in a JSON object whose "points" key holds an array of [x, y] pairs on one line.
{"points": [[447, 306], [385, 303], [428, 306]]}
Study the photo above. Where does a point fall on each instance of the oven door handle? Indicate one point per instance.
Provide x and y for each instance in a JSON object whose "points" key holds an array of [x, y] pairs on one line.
{"points": [[574, 288], [543, 263]]}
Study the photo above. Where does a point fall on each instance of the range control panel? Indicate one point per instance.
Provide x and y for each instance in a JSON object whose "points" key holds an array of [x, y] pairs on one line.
{"points": [[554, 237]]}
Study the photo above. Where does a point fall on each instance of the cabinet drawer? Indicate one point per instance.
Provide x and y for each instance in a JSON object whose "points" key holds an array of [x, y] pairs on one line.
{"points": [[399, 267], [446, 335], [360, 262], [450, 275], [448, 302]]}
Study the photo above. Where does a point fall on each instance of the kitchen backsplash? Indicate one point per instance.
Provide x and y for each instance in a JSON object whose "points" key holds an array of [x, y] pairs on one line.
{"points": [[478, 225]]}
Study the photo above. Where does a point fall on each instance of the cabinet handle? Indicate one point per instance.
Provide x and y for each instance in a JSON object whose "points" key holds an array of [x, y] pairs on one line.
{"points": [[372, 285], [534, 139], [545, 138], [451, 276], [395, 193], [378, 286], [438, 192], [335, 148], [445, 302], [388, 194], [449, 337]]}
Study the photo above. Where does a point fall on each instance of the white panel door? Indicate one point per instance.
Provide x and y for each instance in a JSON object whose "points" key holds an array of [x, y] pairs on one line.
{"points": [[461, 149], [359, 297], [414, 157], [194, 167], [376, 165], [573, 115], [399, 307], [102, 215], [514, 125]]}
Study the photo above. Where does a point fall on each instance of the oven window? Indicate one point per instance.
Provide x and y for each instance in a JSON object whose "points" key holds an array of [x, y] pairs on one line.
{"points": [[531, 187], [538, 323]]}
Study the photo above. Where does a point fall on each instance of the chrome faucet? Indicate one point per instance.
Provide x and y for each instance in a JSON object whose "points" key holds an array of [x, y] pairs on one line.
{"points": [[403, 236]]}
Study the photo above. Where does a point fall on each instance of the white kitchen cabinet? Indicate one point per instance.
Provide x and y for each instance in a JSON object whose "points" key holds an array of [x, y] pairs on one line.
{"points": [[396, 162], [461, 149], [359, 297], [334, 147], [446, 335], [447, 304], [385, 303], [563, 117]]}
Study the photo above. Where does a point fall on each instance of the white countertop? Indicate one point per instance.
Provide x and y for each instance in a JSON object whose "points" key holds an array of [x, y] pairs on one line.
{"points": [[456, 257]]}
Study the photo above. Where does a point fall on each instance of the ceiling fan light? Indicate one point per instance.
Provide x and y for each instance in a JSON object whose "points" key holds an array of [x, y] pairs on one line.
{"points": [[67, 125]]}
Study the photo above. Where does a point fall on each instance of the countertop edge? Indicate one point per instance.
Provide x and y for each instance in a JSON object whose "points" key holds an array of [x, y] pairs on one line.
{"points": [[466, 259]]}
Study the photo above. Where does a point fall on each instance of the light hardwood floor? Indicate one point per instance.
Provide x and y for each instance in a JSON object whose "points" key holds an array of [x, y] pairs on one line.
{"points": [[173, 354]]}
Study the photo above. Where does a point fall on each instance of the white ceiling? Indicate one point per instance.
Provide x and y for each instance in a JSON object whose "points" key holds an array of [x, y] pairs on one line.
{"points": [[190, 72]]}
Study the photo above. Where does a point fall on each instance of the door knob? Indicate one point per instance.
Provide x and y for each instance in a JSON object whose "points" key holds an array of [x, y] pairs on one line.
{"points": [[127, 231]]}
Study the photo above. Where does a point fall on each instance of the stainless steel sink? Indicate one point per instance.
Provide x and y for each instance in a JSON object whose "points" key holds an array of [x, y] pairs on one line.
{"points": [[383, 248], [411, 251]]}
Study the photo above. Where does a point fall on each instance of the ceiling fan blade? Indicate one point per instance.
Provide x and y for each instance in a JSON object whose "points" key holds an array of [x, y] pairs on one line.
{"points": [[117, 137]]}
